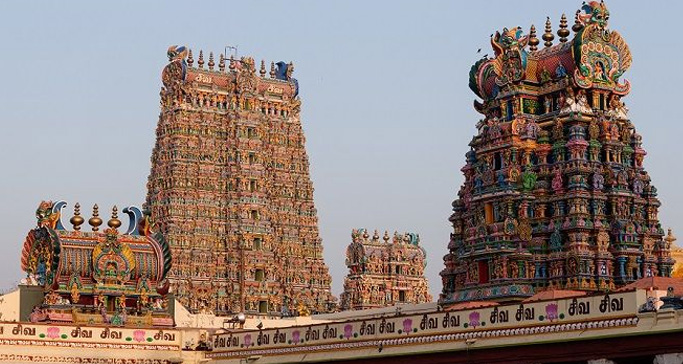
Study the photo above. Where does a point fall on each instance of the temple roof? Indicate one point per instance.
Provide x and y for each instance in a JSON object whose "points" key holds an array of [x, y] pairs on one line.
{"points": [[555, 294], [594, 58], [59, 258], [656, 283]]}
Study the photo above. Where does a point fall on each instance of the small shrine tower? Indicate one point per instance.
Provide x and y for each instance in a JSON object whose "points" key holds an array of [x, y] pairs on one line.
{"points": [[555, 195], [384, 272]]}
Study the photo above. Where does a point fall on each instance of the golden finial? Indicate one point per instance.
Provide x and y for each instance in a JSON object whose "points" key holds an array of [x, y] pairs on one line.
{"points": [[232, 63], [77, 220], [114, 222], [375, 236], [211, 62], [262, 71], [548, 35], [577, 23], [200, 61], [221, 63], [386, 237], [563, 32], [272, 69], [95, 220], [190, 60], [533, 41]]}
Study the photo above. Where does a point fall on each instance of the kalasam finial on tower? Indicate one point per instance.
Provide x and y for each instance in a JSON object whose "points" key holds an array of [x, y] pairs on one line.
{"points": [[548, 35]]}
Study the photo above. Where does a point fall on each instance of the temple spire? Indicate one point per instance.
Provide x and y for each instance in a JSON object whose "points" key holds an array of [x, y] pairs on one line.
{"points": [[211, 62], [262, 71], [533, 40], [77, 220], [114, 222], [563, 32], [190, 59], [200, 61], [548, 35], [95, 221], [221, 63]]}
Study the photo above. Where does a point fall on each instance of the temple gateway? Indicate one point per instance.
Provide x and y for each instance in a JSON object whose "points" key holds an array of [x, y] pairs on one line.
{"points": [[556, 195]]}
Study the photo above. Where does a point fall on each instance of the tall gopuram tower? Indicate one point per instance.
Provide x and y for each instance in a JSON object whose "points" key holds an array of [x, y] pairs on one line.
{"points": [[230, 189], [555, 193], [384, 272]]}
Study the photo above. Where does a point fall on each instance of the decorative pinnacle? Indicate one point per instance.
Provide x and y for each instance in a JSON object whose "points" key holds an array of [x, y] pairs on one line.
{"points": [[221, 63], [77, 220], [563, 32], [577, 23], [272, 69], [190, 60], [211, 62], [375, 235], [386, 236], [95, 220], [114, 222], [232, 63], [200, 61], [533, 41], [262, 71], [548, 35]]}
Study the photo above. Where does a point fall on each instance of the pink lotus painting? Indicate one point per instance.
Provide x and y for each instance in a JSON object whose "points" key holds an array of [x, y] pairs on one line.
{"points": [[551, 312], [407, 325], [475, 319], [348, 331], [53, 332], [139, 335]]}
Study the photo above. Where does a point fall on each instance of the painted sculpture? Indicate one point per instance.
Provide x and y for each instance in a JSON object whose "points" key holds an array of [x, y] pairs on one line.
{"points": [[384, 272], [230, 189], [555, 193], [100, 277]]}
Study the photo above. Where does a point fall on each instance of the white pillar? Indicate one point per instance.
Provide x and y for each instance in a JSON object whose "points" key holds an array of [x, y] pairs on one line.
{"points": [[600, 361], [672, 358]]}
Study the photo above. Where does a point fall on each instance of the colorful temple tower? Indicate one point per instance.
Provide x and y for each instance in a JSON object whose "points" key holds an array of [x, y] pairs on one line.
{"points": [[230, 189], [98, 277], [555, 193], [384, 273]]}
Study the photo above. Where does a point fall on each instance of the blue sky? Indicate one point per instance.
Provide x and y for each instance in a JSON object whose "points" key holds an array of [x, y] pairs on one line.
{"points": [[386, 108]]}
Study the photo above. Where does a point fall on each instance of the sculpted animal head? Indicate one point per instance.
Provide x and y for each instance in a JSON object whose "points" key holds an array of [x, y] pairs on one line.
{"points": [[595, 13], [509, 39], [176, 52]]}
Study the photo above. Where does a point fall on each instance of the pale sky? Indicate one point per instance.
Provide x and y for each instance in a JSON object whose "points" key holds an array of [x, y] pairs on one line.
{"points": [[386, 109]]}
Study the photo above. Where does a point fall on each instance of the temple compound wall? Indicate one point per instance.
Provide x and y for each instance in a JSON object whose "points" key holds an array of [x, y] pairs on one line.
{"points": [[230, 189], [556, 195], [384, 272]]}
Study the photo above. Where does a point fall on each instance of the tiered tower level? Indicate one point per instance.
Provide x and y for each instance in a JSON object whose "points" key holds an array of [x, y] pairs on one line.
{"points": [[231, 191], [555, 193], [384, 272]]}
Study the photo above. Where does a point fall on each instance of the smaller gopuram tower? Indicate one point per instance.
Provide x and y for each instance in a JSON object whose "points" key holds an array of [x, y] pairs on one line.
{"points": [[555, 195], [383, 272]]}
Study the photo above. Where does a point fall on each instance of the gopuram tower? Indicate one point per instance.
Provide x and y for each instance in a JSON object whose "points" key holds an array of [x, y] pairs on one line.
{"points": [[555, 193], [230, 189]]}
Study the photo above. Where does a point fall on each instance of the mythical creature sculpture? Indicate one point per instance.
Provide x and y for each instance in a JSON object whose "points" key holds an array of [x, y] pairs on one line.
{"points": [[45, 215], [602, 55], [511, 58]]}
